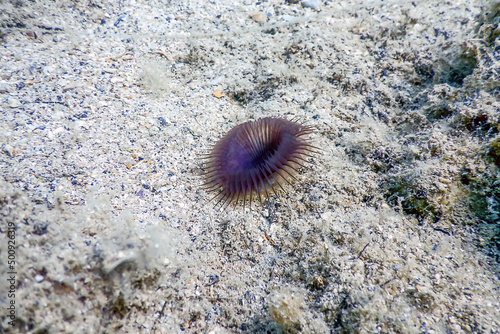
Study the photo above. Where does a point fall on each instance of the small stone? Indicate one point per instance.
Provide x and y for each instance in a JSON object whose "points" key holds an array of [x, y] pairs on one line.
{"points": [[39, 278], [9, 150], [4, 87], [70, 86], [218, 93], [258, 17], [313, 4], [33, 34], [13, 102]]}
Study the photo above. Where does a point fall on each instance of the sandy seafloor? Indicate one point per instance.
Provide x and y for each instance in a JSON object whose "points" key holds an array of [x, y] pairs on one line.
{"points": [[106, 108]]}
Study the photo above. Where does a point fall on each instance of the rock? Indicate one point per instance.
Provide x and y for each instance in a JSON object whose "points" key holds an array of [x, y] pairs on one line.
{"points": [[9, 150], [13, 102], [258, 17], [313, 4], [4, 87]]}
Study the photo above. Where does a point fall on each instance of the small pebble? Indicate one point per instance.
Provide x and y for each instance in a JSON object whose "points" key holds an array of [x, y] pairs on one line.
{"points": [[288, 18], [13, 102], [313, 4], [218, 93], [258, 17], [4, 88], [9, 150], [117, 22], [163, 122]]}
